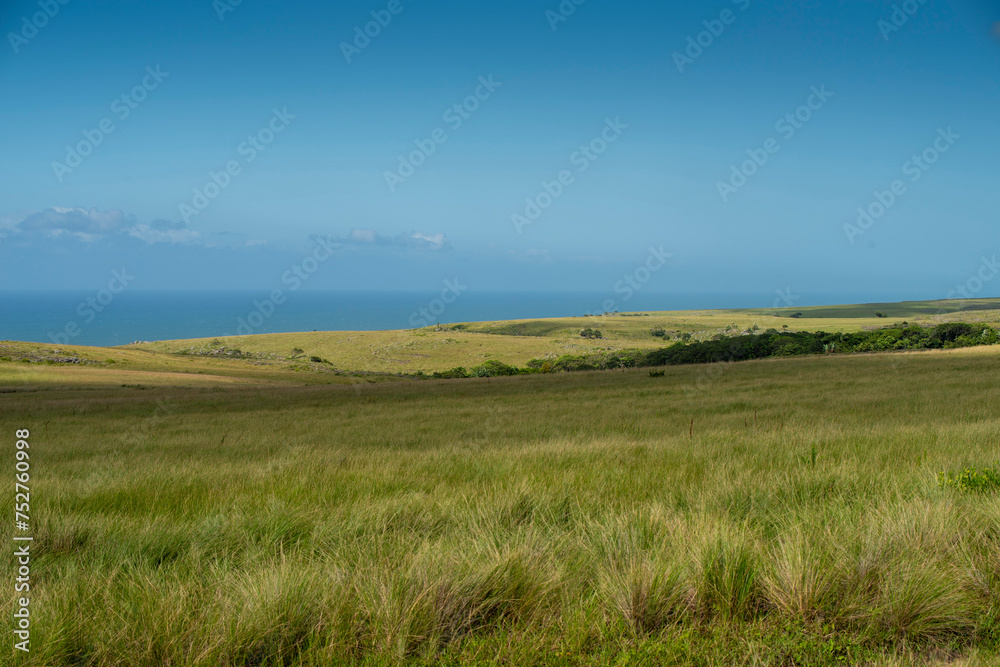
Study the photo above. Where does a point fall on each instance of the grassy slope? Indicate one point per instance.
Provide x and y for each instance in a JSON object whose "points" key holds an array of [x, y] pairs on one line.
{"points": [[44, 366], [558, 519], [517, 341]]}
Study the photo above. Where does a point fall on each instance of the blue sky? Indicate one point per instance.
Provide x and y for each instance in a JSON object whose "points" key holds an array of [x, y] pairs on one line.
{"points": [[210, 85]]}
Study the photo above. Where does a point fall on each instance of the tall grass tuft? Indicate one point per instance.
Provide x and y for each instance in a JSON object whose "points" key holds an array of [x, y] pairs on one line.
{"points": [[800, 581], [728, 584], [650, 595]]}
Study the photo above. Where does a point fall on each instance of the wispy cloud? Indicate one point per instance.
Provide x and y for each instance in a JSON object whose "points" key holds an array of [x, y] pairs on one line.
{"points": [[409, 240], [86, 225], [153, 234], [81, 225], [92, 225]]}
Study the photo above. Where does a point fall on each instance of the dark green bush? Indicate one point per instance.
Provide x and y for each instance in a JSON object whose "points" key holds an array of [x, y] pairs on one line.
{"points": [[454, 373], [493, 368], [771, 343]]}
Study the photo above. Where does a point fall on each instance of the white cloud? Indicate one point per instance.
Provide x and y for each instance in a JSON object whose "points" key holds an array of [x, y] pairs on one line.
{"points": [[151, 235], [436, 242], [92, 225], [77, 224], [85, 225], [412, 240]]}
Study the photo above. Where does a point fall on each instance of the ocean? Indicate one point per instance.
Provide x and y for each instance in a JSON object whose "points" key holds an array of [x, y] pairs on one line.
{"points": [[104, 319]]}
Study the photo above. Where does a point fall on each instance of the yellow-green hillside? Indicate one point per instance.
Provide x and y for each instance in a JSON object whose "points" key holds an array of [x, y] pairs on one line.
{"points": [[516, 342]]}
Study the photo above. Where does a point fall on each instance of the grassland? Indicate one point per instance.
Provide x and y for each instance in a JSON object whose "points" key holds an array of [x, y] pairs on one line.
{"points": [[204, 509], [515, 342]]}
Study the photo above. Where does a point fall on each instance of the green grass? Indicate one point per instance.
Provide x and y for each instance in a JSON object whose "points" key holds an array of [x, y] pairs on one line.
{"points": [[972, 480], [45, 367], [781, 512], [515, 342]]}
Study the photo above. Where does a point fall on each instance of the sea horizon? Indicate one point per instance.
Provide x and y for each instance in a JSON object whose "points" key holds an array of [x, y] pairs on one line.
{"points": [[74, 317]]}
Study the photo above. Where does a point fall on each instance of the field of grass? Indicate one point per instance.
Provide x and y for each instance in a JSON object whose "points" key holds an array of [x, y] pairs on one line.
{"points": [[44, 366], [776, 512], [515, 342]]}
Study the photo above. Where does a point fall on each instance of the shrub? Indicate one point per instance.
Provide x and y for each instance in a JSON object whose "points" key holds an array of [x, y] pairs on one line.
{"points": [[947, 333], [611, 362], [570, 362], [454, 373], [972, 480], [790, 349], [493, 368], [591, 333], [771, 343], [658, 332]]}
